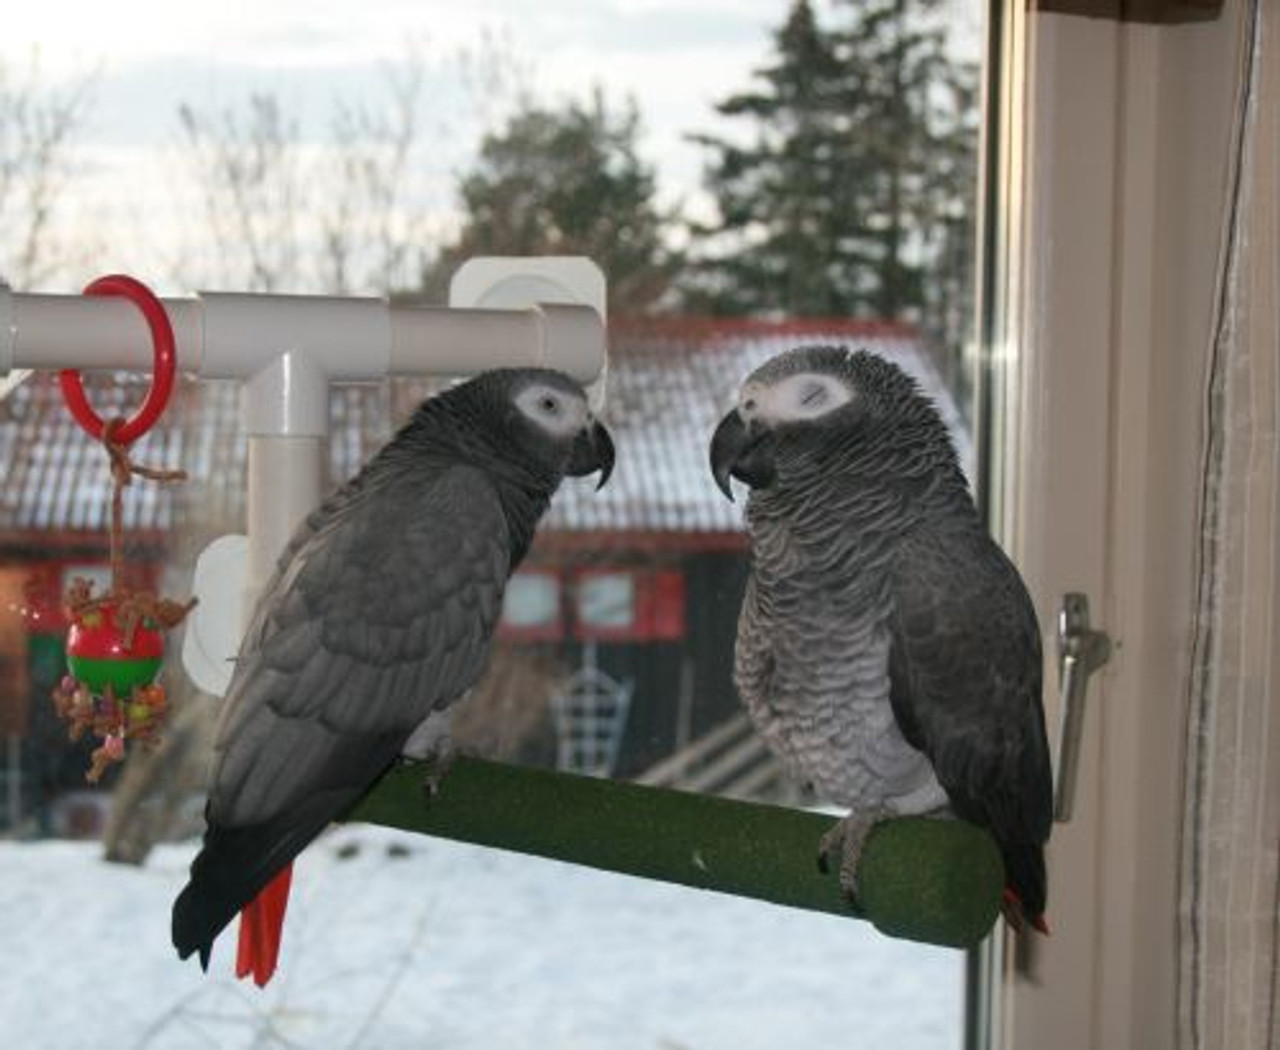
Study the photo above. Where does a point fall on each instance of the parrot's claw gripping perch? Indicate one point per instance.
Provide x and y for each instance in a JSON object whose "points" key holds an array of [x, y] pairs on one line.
{"points": [[438, 765], [432, 744], [847, 838]]}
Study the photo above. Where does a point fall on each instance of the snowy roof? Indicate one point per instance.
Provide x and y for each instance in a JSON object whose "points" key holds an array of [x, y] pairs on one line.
{"points": [[669, 382]]}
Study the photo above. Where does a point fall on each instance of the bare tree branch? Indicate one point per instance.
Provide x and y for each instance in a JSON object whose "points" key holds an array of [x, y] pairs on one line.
{"points": [[350, 213], [373, 234], [249, 172], [37, 130]]}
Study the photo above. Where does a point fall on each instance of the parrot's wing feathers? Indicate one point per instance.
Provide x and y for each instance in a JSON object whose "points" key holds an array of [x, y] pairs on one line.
{"points": [[381, 620], [965, 675], [380, 612]]}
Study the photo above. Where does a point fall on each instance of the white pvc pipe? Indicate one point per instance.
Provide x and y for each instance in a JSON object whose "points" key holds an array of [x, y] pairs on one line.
{"points": [[461, 341], [91, 332], [285, 482], [341, 337], [288, 396], [221, 335]]}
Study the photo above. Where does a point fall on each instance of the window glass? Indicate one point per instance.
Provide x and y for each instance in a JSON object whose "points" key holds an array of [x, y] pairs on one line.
{"points": [[750, 177]]}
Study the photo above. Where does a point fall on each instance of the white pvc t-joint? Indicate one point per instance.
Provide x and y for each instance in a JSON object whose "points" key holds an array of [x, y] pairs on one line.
{"points": [[344, 337]]}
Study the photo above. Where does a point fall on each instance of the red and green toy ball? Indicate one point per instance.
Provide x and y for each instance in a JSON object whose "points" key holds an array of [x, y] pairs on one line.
{"points": [[98, 655]]}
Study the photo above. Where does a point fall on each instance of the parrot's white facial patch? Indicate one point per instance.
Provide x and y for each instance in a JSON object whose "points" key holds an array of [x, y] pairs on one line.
{"points": [[559, 412], [799, 397]]}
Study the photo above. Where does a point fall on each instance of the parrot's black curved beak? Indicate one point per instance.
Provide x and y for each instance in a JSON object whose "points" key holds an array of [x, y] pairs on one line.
{"points": [[592, 450], [739, 450]]}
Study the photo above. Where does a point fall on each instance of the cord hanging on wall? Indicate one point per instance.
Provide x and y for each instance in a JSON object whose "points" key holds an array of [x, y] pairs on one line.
{"points": [[115, 645]]}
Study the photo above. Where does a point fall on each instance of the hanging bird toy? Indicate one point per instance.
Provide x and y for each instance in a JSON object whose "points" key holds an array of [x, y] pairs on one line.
{"points": [[115, 644]]}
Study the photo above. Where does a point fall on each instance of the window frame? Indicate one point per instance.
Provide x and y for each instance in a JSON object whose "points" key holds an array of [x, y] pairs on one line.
{"points": [[1102, 195]]}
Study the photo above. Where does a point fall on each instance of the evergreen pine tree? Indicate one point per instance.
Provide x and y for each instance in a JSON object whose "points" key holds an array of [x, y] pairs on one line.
{"points": [[566, 181], [781, 198], [858, 179], [913, 120]]}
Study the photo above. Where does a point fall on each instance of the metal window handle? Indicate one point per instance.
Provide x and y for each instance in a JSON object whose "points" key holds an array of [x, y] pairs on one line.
{"points": [[1081, 651]]}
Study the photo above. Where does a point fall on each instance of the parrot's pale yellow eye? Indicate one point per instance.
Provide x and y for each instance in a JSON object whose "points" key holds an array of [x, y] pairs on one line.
{"points": [[806, 395], [556, 411]]}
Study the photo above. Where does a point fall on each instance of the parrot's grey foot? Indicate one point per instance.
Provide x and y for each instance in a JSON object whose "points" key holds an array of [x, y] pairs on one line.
{"points": [[847, 838], [432, 744], [438, 764], [429, 737]]}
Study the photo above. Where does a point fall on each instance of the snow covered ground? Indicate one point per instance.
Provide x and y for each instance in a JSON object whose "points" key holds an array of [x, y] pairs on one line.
{"points": [[419, 942]]}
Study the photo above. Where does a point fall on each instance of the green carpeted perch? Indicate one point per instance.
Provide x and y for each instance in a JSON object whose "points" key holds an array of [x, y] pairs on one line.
{"points": [[936, 881]]}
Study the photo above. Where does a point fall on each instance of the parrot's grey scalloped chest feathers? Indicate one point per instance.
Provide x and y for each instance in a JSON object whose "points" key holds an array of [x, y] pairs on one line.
{"points": [[380, 612], [887, 649]]}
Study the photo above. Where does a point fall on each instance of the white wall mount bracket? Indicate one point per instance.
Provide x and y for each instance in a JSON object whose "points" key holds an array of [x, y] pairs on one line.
{"points": [[516, 283]]}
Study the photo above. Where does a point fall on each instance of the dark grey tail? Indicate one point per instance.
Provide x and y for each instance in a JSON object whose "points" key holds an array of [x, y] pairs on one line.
{"points": [[234, 865]]}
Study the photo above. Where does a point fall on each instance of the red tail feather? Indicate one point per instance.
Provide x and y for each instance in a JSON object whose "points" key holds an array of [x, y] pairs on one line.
{"points": [[1016, 915], [261, 925]]}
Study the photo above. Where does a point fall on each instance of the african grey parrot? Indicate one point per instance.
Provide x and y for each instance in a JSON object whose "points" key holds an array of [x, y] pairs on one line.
{"points": [[380, 613], [887, 649]]}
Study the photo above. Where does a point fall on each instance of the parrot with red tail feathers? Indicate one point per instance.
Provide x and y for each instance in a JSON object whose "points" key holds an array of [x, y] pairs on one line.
{"points": [[887, 648], [380, 614]]}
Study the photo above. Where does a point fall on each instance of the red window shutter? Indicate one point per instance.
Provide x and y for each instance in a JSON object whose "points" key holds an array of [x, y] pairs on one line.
{"points": [[667, 606]]}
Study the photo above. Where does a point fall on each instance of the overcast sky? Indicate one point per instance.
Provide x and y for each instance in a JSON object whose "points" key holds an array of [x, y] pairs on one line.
{"points": [[672, 55], [675, 57]]}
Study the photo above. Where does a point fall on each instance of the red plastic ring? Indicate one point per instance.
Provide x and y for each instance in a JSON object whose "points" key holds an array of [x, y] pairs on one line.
{"points": [[162, 374]]}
